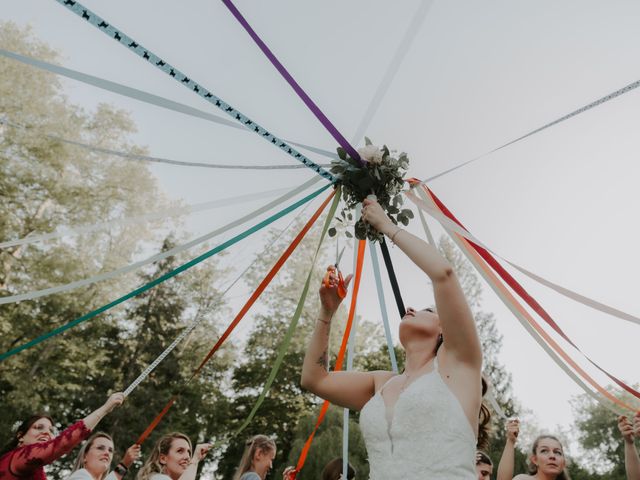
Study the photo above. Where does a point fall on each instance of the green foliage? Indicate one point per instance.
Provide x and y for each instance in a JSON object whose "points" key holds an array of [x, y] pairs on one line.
{"points": [[47, 185], [598, 434], [286, 404], [381, 175], [327, 444]]}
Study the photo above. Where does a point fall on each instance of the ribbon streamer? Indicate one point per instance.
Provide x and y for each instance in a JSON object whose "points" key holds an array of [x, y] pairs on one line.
{"points": [[167, 161], [326, 123], [162, 278], [284, 347], [383, 308], [452, 226], [529, 300], [197, 320], [143, 96], [392, 278], [252, 299], [538, 334], [134, 220], [132, 45], [495, 405], [596, 103], [527, 320], [157, 257], [350, 355], [392, 69], [341, 353]]}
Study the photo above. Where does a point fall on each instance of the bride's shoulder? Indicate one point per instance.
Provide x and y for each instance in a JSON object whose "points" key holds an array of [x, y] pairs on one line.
{"points": [[380, 377]]}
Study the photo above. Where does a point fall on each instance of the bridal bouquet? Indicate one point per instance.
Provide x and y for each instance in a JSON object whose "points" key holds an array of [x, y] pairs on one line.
{"points": [[381, 175]]}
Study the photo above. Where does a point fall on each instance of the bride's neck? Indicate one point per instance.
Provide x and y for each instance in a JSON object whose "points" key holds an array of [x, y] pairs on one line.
{"points": [[416, 360]]}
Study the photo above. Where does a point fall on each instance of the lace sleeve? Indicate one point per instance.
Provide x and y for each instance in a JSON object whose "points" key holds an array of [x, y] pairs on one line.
{"points": [[30, 457]]}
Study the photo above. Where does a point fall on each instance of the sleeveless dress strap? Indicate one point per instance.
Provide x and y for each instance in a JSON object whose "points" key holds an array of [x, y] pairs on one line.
{"points": [[385, 383]]}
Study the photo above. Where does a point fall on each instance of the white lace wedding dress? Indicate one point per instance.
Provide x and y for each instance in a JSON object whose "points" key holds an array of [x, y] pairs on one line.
{"points": [[426, 437]]}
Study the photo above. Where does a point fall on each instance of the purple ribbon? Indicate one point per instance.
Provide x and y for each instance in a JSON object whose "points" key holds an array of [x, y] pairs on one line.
{"points": [[291, 81]]}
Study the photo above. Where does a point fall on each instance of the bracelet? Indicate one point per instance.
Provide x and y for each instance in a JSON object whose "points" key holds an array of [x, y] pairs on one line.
{"points": [[392, 237], [121, 469]]}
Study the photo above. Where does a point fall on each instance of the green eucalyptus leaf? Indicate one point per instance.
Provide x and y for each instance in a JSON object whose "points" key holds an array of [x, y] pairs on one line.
{"points": [[407, 213], [342, 153], [367, 141], [332, 232]]}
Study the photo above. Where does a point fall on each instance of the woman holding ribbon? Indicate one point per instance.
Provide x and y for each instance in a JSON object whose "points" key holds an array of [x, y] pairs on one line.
{"points": [[546, 462], [95, 456], [425, 422], [35, 444]]}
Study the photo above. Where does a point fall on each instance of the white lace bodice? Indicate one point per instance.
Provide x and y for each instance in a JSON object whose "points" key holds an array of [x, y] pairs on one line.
{"points": [[426, 436]]}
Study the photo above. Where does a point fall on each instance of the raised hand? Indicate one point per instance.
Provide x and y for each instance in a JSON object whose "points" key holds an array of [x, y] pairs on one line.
{"points": [[374, 215], [201, 451], [330, 298], [513, 430], [626, 428], [131, 455], [114, 400]]}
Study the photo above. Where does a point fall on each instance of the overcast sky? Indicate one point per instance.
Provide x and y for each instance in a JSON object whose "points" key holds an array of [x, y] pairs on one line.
{"points": [[562, 203]]}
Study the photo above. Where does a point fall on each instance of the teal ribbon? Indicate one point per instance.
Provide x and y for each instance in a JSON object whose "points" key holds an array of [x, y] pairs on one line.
{"points": [[163, 278]]}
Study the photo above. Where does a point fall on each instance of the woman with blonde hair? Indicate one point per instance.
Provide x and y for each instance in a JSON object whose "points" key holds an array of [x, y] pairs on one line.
{"points": [[257, 458], [95, 456], [427, 421], [171, 459]]}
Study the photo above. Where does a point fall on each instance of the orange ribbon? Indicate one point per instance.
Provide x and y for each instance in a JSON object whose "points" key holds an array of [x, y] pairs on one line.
{"points": [[265, 282], [362, 244]]}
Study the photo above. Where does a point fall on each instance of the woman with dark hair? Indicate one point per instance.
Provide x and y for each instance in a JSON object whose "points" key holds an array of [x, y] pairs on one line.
{"points": [[171, 459], [257, 458], [427, 421], [95, 456], [546, 462], [35, 444], [484, 466], [333, 471]]}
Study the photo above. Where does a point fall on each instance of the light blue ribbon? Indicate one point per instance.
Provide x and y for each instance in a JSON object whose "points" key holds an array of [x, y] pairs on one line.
{"points": [[132, 45]]}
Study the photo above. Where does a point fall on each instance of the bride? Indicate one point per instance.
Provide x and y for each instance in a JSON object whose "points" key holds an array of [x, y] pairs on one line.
{"points": [[424, 423]]}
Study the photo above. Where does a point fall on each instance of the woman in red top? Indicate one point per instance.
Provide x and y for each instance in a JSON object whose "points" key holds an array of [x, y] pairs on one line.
{"points": [[33, 446]]}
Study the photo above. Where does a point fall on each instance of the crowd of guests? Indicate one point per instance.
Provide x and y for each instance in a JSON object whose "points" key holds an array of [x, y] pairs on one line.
{"points": [[424, 423], [35, 444]]}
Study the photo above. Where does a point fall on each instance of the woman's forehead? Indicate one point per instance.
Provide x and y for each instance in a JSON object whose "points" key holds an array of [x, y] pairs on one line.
{"points": [[103, 441], [549, 442]]}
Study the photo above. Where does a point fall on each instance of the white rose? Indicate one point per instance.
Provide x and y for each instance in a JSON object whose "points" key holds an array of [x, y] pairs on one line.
{"points": [[371, 154]]}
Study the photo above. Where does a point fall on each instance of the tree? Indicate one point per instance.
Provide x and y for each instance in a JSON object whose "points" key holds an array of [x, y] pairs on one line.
{"points": [[286, 402], [46, 184], [599, 437], [328, 444]]}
